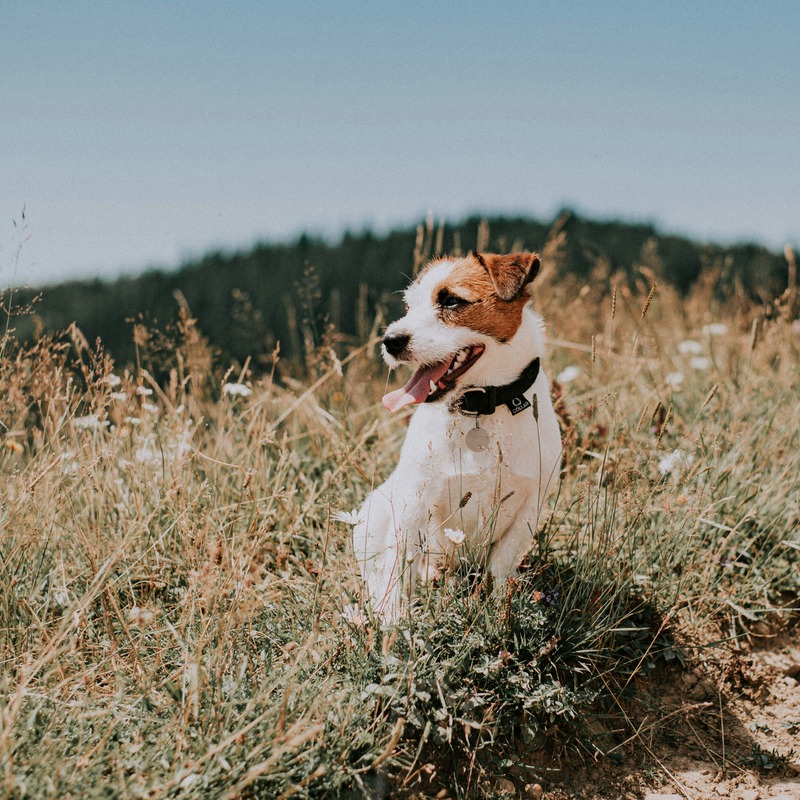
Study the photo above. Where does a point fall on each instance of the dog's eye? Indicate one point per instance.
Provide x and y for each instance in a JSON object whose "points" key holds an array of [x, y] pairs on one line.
{"points": [[447, 300]]}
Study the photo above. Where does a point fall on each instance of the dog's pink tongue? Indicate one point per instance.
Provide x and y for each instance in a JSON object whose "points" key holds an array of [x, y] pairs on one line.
{"points": [[417, 389]]}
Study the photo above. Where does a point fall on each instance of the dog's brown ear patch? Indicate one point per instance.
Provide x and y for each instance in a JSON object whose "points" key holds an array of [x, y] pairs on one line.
{"points": [[510, 273]]}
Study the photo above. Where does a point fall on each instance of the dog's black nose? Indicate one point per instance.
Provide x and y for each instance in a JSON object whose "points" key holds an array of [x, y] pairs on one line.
{"points": [[396, 343]]}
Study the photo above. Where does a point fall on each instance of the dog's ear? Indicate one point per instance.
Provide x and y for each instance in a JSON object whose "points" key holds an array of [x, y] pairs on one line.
{"points": [[510, 273]]}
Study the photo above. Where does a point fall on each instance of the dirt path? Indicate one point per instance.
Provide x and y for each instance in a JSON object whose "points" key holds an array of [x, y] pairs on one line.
{"points": [[728, 732]]}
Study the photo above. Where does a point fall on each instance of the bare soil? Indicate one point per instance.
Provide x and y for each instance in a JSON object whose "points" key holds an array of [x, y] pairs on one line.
{"points": [[729, 729]]}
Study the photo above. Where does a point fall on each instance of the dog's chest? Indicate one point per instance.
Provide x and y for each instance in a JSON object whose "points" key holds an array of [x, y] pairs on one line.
{"points": [[443, 479], [442, 443]]}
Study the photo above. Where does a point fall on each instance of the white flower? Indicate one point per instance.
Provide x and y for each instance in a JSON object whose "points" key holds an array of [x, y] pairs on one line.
{"points": [[455, 535], [690, 347], [352, 613], [700, 362], [150, 408], [140, 616], [237, 389], [120, 397], [112, 380], [673, 461], [714, 329], [568, 374], [190, 780], [337, 365], [143, 391], [148, 455], [61, 597], [674, 379], [91, 422], [184, 446], [348, 517], [133, 421]]}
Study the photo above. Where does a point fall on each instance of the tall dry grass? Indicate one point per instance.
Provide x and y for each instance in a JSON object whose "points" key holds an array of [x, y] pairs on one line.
{"points": [[180, 617]]}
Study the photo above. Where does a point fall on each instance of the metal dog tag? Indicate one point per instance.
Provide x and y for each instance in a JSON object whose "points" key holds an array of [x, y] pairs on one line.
{"points": [[477, 439]]}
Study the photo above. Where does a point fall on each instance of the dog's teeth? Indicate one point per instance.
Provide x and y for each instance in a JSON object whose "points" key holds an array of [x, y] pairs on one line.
{"points": [[433, 386]]}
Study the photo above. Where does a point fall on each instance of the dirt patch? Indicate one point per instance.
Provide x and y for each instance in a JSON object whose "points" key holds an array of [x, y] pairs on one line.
{"points": [[727, 730]]}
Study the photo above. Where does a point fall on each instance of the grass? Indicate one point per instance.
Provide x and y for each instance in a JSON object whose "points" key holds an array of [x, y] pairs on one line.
{"points": [[179, 615]]}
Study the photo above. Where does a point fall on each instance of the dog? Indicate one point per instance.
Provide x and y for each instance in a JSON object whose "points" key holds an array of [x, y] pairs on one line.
{"points": [[483, 449]]}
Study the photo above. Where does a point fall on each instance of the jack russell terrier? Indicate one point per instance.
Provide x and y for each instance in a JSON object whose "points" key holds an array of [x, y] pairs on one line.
{"points": [[483, 449]]}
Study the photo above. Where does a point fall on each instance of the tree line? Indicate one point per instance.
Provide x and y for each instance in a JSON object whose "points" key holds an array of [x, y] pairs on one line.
{"points": [[304, 292]]}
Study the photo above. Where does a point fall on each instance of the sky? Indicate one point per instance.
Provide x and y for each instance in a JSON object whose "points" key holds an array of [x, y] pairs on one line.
{"points": [[142, 134]]}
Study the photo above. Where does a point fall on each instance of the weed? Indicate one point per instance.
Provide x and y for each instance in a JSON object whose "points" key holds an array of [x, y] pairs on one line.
{"points": [[179, 614]]}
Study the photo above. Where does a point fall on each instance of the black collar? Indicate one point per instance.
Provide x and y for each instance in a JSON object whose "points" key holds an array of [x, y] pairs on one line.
{"points": [[483, 400]]}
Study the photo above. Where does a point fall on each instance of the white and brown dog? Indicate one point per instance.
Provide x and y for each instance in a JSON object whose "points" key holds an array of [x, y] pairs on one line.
{"points": [[484, 448]]}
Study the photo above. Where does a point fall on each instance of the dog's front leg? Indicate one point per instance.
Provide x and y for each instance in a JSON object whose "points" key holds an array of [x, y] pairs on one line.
{"points": [[380, 553]]}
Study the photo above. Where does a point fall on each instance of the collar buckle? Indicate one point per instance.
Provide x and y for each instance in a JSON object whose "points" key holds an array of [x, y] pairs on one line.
{"points": [[480, 405]]}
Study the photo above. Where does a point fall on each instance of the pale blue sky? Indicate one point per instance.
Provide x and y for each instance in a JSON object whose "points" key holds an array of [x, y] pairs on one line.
{"points": [[140, 133]]}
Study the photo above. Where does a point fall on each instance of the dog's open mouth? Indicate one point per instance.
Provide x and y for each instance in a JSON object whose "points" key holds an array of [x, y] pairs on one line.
{"points": [[429, 383]]}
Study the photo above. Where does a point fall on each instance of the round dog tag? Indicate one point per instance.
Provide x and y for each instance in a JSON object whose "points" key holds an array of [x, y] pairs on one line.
{"points": [[477, 439]]}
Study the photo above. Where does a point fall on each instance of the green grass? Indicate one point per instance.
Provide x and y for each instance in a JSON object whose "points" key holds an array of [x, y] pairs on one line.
{"points": [[177, 609]]}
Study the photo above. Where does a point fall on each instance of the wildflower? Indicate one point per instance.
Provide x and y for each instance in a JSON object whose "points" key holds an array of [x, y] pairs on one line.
{"points": [[133, 421], [568, 374], [69, 464], [237, 390], [190, 780], [335, 363], [352, 614], [91, 422], [147, 455], [700, 363], [714, 329], [183, 447], [120, 397], [690, 347], [674, 461], [455, 535], [348, 517], [143, 391], [150, 408], [61, 597], [674, 379], [112, 380], [140, 616]]}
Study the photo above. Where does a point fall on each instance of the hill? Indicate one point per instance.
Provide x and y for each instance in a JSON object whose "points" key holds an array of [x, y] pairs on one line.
{"points": [[181, 615], [302, 292]]}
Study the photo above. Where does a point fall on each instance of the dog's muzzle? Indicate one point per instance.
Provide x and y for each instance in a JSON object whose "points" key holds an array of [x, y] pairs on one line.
{"points": [[396, 343]]}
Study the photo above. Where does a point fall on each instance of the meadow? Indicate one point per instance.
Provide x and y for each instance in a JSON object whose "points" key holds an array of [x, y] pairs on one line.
{"points": [[180, 614]]}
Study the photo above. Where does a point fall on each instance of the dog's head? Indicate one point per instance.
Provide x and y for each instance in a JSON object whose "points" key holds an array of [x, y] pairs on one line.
{"points": [[461, 316]]}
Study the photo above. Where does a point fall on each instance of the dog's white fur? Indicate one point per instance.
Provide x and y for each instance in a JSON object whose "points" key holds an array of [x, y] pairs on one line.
{"points": [[400, 537]]}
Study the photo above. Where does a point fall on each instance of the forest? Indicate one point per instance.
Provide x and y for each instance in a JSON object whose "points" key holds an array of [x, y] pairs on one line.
{"points": [[304, 293]]}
